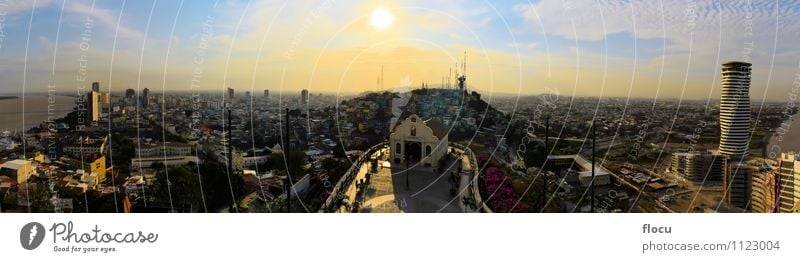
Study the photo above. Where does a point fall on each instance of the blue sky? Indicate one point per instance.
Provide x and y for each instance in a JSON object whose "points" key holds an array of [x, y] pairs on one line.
{"points": [[586, 48]]}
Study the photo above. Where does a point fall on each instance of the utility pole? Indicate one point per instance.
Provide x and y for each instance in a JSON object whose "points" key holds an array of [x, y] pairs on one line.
{"points": [[544, 163], [594, 129], [449, 77], [230, 155], [287, 152]]}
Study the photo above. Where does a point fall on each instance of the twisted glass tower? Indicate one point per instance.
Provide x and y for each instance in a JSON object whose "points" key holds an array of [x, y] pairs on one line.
{"points": [[734, 110]]}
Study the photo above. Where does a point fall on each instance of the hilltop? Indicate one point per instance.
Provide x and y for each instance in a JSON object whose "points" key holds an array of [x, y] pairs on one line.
{"points": [[369, 118]]}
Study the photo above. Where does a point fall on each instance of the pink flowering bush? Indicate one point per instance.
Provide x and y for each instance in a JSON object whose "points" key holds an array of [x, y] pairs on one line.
{"points": [[501, 197], [482, 158]]}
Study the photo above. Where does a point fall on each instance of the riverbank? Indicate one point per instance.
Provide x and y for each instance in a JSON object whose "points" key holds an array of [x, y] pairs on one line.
{"points": [[785, 139]]}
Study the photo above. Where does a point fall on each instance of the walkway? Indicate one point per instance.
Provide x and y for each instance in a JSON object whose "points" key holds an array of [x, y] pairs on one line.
{"points": [[428, 192]]}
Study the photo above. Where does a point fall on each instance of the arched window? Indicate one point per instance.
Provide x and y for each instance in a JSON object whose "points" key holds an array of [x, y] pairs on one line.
{"points": [[413, 130], [427, 150], [398, 149]]}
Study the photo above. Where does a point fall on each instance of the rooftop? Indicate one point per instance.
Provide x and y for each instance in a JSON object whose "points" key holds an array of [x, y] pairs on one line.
{"points": [[438, 128], [583, 164], [16, 164], [737, 63]]}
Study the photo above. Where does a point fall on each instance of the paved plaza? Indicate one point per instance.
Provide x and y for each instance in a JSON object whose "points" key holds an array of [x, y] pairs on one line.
{"points": [[427, 191]]}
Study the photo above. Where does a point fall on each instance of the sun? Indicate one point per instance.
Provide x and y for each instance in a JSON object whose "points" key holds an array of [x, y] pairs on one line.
{"points": [[381, 19]]}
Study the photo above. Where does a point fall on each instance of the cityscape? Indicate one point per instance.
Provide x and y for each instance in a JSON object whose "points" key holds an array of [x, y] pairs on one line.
{"points": [[440, 135]]}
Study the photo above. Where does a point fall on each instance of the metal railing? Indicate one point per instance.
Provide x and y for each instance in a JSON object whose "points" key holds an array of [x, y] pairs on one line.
{"points": [[473, 178], [349, 176]]}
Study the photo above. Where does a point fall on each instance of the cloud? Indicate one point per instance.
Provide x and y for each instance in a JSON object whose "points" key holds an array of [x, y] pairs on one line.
{"points": [[529, 45], [485, 21], [428, 38], [676, 20], [15, 7], [105, 17], [697, 35]]}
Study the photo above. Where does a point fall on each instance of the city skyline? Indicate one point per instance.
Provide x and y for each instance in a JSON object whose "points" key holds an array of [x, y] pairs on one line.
{"points": [[145, 151], [368, 125], [511, 47], [538, 115]]}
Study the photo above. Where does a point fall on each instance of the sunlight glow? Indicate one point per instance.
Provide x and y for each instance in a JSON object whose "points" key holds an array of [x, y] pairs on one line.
{"points": [[381, 19]]}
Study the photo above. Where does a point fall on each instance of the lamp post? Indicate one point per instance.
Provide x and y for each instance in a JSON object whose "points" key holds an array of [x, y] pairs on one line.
{"points": [[407, 160]]}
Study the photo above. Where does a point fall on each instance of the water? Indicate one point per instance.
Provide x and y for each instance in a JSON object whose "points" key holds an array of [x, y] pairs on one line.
{"points": [[789, 134], [11, 116]]}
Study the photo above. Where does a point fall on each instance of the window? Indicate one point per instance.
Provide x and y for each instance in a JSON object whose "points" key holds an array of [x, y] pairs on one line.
{"points": [[413, 130], [427, 150], [397, 149]]}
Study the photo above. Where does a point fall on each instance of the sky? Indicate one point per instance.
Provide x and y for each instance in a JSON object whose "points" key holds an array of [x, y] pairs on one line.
{"points": [[647, 48]]}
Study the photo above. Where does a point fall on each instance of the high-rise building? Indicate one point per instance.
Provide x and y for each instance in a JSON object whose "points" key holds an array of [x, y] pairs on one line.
{"points": [[230, 94], [130, 93], [734, 138], [703, 168], [145, 100], [96, 86], [739, 185], [789, 183], [266, 93], [765, 195], [93, 106], [734, 110], [304, 96], [247, 95]]}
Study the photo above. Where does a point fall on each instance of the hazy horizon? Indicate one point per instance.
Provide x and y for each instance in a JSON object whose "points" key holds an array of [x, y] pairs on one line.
{"points": [[352, 94]]}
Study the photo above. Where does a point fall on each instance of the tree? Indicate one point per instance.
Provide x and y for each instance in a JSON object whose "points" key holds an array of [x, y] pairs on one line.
{"points": [[71, 119], [330, 164], [534, 153], [122, 150], [91, 201], [39, 199], [338, 152], [178, 185], [157, 165], [296, 162], [216, 186]]}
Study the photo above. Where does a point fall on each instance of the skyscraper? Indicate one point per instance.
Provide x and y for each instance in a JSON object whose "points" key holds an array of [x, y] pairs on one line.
{"points": [[106, 97], [96, 86], [144, 98], [734, 110], [230, 94], [266, 93], [304, 96], [93, 100], [130, 93], [734, 137]]}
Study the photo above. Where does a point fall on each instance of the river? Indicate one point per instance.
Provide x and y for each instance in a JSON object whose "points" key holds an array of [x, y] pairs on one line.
{"points": [[12, 116], [785, 139]]}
